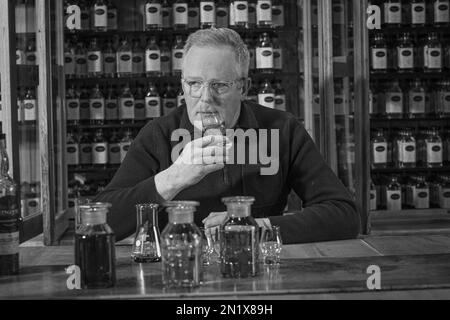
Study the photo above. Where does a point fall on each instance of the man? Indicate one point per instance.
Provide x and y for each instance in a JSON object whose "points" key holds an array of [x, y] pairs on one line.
{"points": [[215, 80]]}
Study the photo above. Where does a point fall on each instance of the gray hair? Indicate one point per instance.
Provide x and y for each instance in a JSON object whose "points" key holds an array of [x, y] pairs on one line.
{"points": [[219, 37]]}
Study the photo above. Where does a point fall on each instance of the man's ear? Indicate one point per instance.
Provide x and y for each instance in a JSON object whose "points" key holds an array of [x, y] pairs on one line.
{"points": [[246, 87]]}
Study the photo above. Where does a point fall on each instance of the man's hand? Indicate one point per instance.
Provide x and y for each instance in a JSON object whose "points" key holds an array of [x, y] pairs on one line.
{"points": [[214, 219]]}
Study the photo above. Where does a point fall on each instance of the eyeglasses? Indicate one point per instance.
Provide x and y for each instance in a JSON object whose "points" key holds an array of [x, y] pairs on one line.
{"points": [[195, 87]]}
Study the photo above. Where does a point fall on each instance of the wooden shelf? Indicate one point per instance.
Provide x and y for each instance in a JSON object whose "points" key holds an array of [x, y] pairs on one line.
{"points": [[426, 122], [433, 213], [394, 75], [413, 30], [92, 169], [136, 125], [444, 169]]}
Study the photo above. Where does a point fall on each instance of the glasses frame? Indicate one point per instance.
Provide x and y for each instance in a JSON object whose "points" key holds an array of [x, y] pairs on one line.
{"points": [[208, 84]]}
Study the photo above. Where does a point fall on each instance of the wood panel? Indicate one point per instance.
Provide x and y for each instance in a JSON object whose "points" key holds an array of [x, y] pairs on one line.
{"points": [[423, 244]]}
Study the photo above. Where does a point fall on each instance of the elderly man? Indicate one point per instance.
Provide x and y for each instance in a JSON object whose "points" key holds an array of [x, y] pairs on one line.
{"points": [[215, 80]]}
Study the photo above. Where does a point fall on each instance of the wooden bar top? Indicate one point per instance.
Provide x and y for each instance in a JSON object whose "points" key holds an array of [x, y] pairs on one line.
{"points": [[411, 267]]}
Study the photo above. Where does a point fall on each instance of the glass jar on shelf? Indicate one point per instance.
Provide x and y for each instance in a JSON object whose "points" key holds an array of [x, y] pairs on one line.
{"points": [[379, 149], [393, 194], [434, 149]]}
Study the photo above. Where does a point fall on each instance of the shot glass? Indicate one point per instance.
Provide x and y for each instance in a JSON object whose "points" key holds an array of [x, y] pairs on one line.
{"points": [[271, 245], [210, 248]]}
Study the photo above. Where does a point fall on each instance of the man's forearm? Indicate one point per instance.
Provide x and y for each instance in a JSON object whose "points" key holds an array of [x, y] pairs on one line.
{"points": [[169, 183]]}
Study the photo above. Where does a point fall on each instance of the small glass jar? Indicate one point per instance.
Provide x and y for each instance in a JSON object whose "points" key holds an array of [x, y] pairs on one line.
{"points": [[147, 241]]}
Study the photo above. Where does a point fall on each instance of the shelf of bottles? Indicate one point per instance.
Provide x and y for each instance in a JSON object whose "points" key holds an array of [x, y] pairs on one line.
{"points": [[123, 68], [410, 107]]}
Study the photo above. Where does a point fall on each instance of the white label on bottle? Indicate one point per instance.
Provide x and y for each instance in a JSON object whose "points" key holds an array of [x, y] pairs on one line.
{"points": [[393, 200], [138, 62], [114, 153], [240, 12], [124, 62], [85, 153], [394, 102], [405, 58], [111, 109], [109, 63], [73, 109], [97, 109], [392, 13], [101, 16], [373, 200], [434, 152], [264, 58], [280, 102], [441, 11], [408, 152], [177, 59], [418, 13], [444, 198], [169, 105], [29, 110], [153, 60], [417, 103], [278, 16], [379, 58], [139, 109], [267, 100], [379, 152], [69, 63], [112, 19], [180, 13], [207, 12], [421, 198], [193, 18], [153, 14], [72, 154], [126, 108], [152, 107], [95, 61], [9, 243], [124, 147], [278, 58], [100, 153], [264, 11], [222, 17], [433, 58]]}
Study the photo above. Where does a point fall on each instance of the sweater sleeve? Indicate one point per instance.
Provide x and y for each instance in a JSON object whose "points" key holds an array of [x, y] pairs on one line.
{"points": [[329, 212], [134, 181]]}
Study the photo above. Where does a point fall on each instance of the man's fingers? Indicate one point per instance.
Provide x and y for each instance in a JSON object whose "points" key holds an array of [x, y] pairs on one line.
{"points": [[214, 220], [206, 140]]}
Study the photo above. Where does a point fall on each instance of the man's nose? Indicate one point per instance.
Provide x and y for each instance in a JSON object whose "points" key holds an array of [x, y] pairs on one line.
{"points": [[206, 94]]}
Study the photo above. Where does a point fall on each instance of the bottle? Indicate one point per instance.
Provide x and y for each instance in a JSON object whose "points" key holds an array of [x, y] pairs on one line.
{"points": [[421, 194], [277, 55], [99, 149], [264, 13], [394, 100], [85, 16], [392, 13], [239, 239], [139, 104], [153, 15], [125, 143], [97, 106], [147, 240], [416, 100], [9, 216], [124, 59], [33, 199], [407, 147], [109, 60], [177, 55], [207, 14], [180, 14], [373, 196], [112, 16], [432, 53], [443, 99], [30, 53], [446, 143], [137, 58], [252, 51], [85, 107], [405, 53], [21, 57], [100, 16], [69, 59], [166, 57], [166, 15], [418, 13], [111, 106], [72, 150], [81, 60], [266, 95], [94, 59], [152, 58], [169, 99], [152, 102], [126, 105], [394, 195], [29, 106], [181, 246], [379, 150], [444, 193], [280, 96], [95, 247], [277, 14], [434, 149], [85, 149], [441, 12], [72, 106], [193, 15], [264, 54], [114, 149], [252, 94], [379, 54], [222, 14], [252, 14]]}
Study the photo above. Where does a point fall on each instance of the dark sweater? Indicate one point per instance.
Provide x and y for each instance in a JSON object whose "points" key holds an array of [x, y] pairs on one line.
{"points": [[329, 212]]}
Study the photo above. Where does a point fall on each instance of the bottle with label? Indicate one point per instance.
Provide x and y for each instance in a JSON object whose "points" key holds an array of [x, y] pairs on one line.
{"points": [[193, 15], [441, 12], [114, 149], [446, 143], [72, 106], [81, 60], [177, 55], [394, 195], [94, 59], [394, 101], [85, 149], [9, 216], [109, 60], [373, 101], [252, 14], [99, 149], [433, 54], [264, 13], [85, 16], [152, 58], [126, 105], [30, 53], [97, 106], [72, 150], [125, 143], [280, 96], [392, 13], [137, 58], [444, 193], [166, 9], [207, 14], [181, 246], [407, 157], [379, 54], [418, 13], [434, 149], [442, 103], [264, 54], [29, 106], [33, 199], [180, 14], [421, 195], [277, 55], [112, 16], [139, 104], [85, 111], [405, 53], [222, 14], [379, 150], [416, 100], [153, 15], [240, 14], [169, 99], [166, 58], [278, 14], [124, 59], [69, 59], [152, 102], [111, 105], [100, 16], [266, 95], [373, 196]]}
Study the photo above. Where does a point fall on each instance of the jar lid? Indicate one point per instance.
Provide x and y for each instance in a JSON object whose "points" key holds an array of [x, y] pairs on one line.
{"points": [[181, 204], [239, 199]]}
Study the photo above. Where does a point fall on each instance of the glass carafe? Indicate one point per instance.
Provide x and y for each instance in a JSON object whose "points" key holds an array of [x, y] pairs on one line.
{"points": [[239, 245], [147, 243], [181, 246]]}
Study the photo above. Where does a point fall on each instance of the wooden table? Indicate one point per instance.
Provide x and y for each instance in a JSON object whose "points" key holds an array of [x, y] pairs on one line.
{"points": [[412, 267]]}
